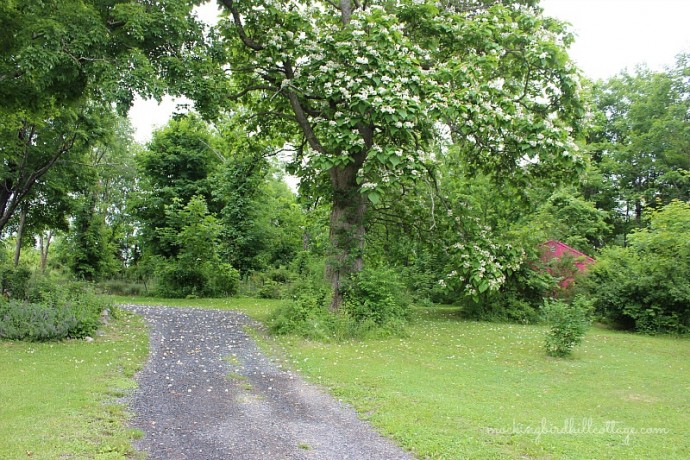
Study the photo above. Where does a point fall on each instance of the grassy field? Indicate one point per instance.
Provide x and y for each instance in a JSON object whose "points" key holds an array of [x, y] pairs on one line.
{"points": [[457, 389], [58, 400]]}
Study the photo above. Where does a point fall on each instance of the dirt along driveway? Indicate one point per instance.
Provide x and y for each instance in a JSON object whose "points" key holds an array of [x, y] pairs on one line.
{"points": [[208, 393]]}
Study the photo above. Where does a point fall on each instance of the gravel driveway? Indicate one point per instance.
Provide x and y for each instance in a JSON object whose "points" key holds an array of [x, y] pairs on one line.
{"points": [[207, 393]]}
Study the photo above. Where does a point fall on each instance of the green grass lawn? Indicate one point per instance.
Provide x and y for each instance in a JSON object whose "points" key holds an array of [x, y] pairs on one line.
{"points": [[58, 400], [458, 389]]}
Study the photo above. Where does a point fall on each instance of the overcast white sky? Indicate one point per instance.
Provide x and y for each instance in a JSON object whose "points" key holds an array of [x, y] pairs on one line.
{"points": [[615, 34], [611, 35]]}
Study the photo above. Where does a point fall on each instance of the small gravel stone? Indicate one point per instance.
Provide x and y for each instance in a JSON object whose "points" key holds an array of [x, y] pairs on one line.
{"points": [[262, 412]]}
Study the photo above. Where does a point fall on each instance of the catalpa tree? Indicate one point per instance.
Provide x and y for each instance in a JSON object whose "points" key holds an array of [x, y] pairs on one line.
{"points": [[370, 91]]}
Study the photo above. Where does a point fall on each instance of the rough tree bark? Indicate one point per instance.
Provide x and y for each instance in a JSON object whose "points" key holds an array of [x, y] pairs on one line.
{"points": [[45, 247], [347, 229], [20, 235]]}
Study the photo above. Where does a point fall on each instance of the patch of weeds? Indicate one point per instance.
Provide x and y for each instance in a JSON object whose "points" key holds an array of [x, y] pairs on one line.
{"points": [[236, 376], [233, 360]]}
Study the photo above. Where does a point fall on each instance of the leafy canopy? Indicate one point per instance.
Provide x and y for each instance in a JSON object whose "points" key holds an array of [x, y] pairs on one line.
{"points": [[371, 91]]}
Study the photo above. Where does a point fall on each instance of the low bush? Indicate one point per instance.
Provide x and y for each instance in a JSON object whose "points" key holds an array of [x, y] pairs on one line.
{"points": [[375, 305], [568, 324], [225, 280], [305, 315], [273, 283], [377, 296], [51, 311], [270, 290], [178, 280], [14, 281], [123, 288]]}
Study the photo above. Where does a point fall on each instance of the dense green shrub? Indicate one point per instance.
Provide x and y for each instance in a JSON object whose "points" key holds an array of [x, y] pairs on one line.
{"points": [[421, 277], [518, 300], [375, 305], [646, 286], [273, 283], [194, 267], [14, 281], [377, 296], [178, 280], [306, 316], [270, 289], [51, 311], [568, 324], [122, 287], [225, 280], [305, 311]]}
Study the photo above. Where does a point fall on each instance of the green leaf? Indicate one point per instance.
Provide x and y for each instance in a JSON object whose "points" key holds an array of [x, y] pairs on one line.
{"points": [[374, 197]]}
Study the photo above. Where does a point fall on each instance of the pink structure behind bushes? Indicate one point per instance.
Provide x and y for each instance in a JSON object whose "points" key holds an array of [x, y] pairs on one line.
{"points": [[556, 250]]}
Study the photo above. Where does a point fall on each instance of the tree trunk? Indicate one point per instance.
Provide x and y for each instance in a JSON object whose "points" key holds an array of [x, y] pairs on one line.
{"points": [[347, 242], [45, 246], [345, 11], [20, 235], [346, 228]]}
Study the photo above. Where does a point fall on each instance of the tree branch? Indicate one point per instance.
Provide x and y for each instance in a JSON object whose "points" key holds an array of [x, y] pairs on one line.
{"points": [[303, 122], [24, 184], [272, 114], [236, 18], [301, 114], [249, 89]]}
